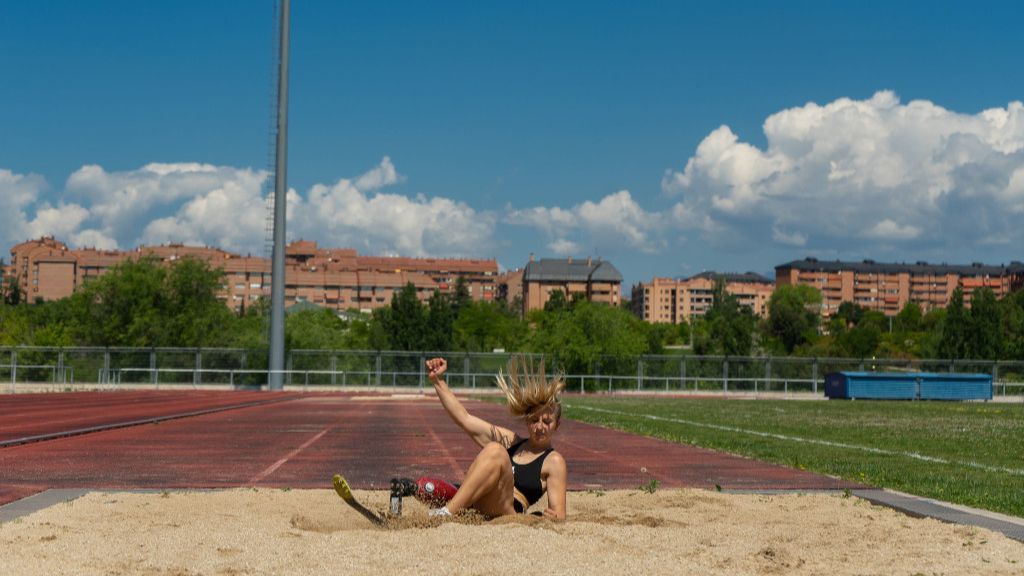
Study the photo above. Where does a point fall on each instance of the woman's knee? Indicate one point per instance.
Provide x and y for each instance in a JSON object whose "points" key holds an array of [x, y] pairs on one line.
{"points": [[494, 453]]}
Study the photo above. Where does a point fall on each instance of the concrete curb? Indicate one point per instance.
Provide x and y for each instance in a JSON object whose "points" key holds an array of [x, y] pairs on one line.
{"points": [[919, 507]]}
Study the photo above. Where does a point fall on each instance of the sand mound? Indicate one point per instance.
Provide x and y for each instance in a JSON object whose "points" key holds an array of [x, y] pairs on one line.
{"points": [[620, 532]]}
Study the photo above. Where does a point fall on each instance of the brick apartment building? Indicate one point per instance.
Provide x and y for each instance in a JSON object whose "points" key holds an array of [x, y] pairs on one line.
{"points": [[888, 287], [669, 300], [335, 278], [598, 280]]}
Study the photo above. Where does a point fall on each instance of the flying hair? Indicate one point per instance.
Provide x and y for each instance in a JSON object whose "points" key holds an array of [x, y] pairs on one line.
{"points": [[527, 390]]}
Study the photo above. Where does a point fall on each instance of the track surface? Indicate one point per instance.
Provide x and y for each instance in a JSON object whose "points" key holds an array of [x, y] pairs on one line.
{"points": [[32, 415], [300, 440]]}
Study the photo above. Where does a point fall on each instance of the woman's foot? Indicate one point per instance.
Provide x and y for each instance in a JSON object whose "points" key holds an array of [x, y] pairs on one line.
{"points": [[439, 512]]}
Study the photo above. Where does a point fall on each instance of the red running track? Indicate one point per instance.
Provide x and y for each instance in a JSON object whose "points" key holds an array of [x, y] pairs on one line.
{"points": [[31, 415], [300, 442]]}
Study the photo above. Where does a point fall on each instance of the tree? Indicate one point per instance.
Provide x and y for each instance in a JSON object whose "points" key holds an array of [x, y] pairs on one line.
{"points": [[909, 318], [557, 302], [11, 289], [484, 326], [1011, 319], [406, 323], [793, 315], [440, 320], [122, 307], [196, 317], [983, 337], [849, 313], [460, 297], [144, 303], [861, 341], [953, 343], [731, 326], [15, 326], [378, 336], [314, 330], [578, 337]]}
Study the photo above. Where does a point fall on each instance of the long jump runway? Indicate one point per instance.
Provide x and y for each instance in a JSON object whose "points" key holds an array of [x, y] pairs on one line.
{"points": [[178, 440]]}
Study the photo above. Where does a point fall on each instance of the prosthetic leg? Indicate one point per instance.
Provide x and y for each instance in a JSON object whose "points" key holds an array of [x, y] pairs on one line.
{"points": [[430, 491]]}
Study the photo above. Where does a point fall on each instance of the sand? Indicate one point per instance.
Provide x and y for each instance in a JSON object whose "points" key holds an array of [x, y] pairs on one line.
{"points": [[271, 531]]}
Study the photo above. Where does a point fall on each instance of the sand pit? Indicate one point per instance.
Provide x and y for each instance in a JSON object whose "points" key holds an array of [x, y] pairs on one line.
{"points": [[270, 531]]}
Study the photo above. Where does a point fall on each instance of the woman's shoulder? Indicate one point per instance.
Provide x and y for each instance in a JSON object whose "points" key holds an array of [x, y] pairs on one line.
{"points": [[555, 457]]}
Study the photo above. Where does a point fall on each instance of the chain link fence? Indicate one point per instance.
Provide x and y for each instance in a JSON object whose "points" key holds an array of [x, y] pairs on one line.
{"points": [[320, 369]]}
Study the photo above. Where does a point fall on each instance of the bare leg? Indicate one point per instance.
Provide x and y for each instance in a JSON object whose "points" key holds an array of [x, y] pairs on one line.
{"points": [[488, 484]]}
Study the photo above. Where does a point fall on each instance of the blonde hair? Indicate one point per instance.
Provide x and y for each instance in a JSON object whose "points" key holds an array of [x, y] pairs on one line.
{"points": [[529, 391]]}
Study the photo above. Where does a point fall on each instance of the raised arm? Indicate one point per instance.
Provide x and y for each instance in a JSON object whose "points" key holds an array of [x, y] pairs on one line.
{"points": [[481, 431]]}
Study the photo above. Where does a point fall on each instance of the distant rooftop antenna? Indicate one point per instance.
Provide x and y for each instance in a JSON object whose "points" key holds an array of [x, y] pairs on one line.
{"points": [[276, 374]]}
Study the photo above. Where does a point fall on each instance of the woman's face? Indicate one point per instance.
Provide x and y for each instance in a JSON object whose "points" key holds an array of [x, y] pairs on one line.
{"points": [[542, 425]]}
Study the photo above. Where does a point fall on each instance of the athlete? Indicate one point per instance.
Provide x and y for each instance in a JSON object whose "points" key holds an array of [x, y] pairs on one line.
{"points": [[511, 472]]}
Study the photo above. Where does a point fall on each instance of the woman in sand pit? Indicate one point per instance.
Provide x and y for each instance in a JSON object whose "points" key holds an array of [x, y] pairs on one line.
{"points": [[511, 472]]}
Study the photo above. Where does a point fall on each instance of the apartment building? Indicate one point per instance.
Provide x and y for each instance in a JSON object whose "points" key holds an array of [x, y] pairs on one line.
{"points": [[887, 287], [597, 280], [334, 278], [673, 301], [510, 286]]}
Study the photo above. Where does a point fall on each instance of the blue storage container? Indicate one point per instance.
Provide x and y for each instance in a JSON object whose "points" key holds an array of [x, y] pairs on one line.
{"points": [[908, 386]]}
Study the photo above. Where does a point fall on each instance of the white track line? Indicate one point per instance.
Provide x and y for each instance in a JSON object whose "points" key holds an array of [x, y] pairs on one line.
{"points": [[914, 455], [288, 457]]}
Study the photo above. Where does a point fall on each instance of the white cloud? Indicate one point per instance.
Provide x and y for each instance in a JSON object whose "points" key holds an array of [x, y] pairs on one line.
{"points": [[852, 172], [889, 230], [213, 204], [18, 192], [788, 238], [563, 247], [383, 175], [343, 214], [612, 220], [231, 216], [60, 221], [202, 204]]}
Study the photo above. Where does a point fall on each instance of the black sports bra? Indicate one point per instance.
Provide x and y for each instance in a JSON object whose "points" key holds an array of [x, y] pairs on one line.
{"points": [[527, 476]]}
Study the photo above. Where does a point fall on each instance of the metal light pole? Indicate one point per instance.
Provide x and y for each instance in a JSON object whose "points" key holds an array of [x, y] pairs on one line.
{"points": [[276, 375]]}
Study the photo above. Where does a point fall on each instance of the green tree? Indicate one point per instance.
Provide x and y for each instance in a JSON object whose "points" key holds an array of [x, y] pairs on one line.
{"points": [[557, 302], [406, 324], [668, 334], [909, 318], [123, 307], [1011, 320], [931, 333], [315, 330], [484, 326], [731, 326], [793, 315], [861, 341], [12, 295], [953, 343], [984, 341], [15, 326], [196, 317], [684, 329], [460, 297], [440, 321], [145, 303], [378, 336], [251, 330], [578, 337], [849, 313]]}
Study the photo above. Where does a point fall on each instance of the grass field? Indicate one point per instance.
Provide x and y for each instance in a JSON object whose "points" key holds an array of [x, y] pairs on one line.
{"points": [[965, 453]]}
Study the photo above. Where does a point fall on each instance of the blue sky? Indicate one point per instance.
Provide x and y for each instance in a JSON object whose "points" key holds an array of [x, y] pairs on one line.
{"points": [[667, 137]]}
